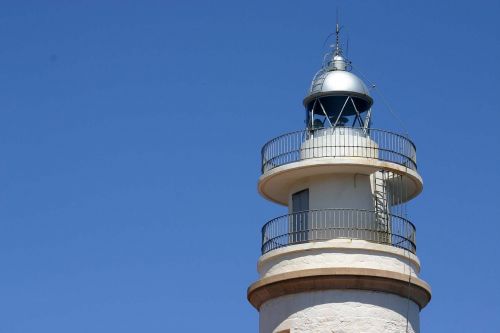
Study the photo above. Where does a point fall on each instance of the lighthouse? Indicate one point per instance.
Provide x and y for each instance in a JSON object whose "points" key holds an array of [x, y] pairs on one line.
{"points": [[343, 259]]}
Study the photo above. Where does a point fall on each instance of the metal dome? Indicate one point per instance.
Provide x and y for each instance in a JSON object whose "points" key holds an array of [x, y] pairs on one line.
{"points": [[338, 82], [335, 80]]}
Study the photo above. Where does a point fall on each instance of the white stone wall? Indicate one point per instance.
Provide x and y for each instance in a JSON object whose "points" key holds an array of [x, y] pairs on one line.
{"points": [[339, 142], [336, 191], [339, 311], [338, 253]]}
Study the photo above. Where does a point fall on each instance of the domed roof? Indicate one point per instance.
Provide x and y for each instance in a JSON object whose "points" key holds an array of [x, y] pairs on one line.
{"points": [[339, 81], [334, 81]]}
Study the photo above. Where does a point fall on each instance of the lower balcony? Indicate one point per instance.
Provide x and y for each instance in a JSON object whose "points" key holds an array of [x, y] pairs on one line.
{"points": [[326, 224]]}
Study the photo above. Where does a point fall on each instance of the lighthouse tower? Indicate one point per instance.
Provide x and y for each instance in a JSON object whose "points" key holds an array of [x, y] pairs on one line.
{"points": [[344, 258]]}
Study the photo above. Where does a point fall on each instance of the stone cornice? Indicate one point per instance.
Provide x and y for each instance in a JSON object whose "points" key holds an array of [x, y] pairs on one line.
{"points": [[339, 278]]}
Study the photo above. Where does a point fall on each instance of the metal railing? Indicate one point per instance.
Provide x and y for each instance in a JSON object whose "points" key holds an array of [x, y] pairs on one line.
{"points": [[326, 224], [338, 142]]}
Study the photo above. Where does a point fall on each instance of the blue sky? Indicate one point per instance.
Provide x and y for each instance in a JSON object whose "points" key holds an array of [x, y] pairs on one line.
{"points": [[130, 135]]}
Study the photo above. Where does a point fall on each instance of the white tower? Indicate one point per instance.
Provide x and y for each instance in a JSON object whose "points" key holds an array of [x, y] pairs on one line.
{"points": [[343, 258]]}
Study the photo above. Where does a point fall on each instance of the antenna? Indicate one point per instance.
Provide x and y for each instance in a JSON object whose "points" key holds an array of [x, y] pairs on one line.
{"points": [[338, 28], [338, 15]]}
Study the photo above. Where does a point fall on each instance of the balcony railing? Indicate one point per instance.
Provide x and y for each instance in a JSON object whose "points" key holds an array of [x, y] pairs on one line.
{"points": [[322, 225], [338, 142]]}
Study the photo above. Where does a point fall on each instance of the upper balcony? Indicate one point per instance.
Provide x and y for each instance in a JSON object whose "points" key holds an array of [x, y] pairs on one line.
{"points": [[311, 152], [337, 143]]}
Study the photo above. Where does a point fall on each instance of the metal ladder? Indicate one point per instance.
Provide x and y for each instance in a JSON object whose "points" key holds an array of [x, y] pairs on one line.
{"points": [[381, 201], [318, 81]]}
